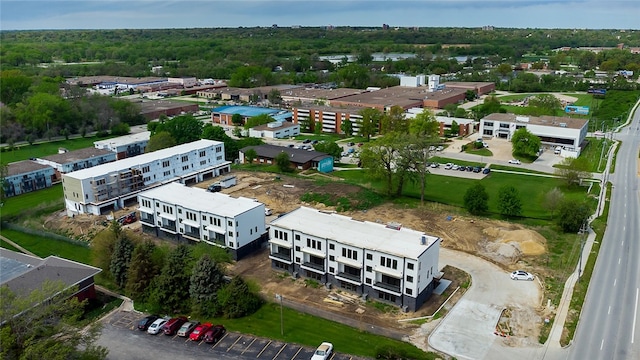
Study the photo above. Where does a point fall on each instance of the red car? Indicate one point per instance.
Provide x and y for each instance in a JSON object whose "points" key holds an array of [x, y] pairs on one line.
{"points": [[173, 325], [214, 334], [198, 333]]}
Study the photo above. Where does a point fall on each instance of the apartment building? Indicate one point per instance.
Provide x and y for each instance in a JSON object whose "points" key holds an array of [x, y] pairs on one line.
{"points": [[125, 146], [27, 176], [68, 161], [386, 263], [175, 211], [101, 189]]}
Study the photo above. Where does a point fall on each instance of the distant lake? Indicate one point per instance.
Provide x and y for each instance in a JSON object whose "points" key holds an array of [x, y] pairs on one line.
{"points": [[382, 57]]}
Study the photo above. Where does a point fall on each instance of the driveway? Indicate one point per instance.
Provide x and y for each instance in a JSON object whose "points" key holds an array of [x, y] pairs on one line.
{"points": [[467, 332]]}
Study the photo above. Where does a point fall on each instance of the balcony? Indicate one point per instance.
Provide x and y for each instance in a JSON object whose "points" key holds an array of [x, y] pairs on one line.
{"points": [[194, 233], [282, 257], [169, 226], [387, 287], [352, 278], [319, 268], [147, 219]]}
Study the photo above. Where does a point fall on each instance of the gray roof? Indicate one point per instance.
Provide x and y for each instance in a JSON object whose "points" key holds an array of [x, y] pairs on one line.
{"points": [[297, 156], [25, 166], [545, 120], [25, 273], [76, 155]]}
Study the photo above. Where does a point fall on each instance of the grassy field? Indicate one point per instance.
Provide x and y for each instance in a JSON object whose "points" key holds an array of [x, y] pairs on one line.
{"points": [[44, 247], [450, 190], [43, 201], [26, 152], [592, 153]]}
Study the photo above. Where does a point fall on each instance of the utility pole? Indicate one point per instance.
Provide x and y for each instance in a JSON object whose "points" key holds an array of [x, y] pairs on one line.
{"points": [[584, 233]]}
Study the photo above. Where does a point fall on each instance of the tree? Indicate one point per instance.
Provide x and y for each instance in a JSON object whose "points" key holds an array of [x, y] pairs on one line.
{"points": [[525, 143], [283, 162], [237, 300], [380, 158], [206, 280], [171, 288], [425, 125], [14, 86], [183, 128], [258, 120], [552, 200], [45, 324], [509, 201], [347, 127], [394, 121], [143, 268], [470, 95], [369, 124], [573, 170], [274, 97], [236, 119], [120, 259], [455, 128], [460, 113], [547, 103], [328, 147], [504, 69], [160, 140], [417, 155], [103, 245], [250, 155], [572, 214], [476, 199]]}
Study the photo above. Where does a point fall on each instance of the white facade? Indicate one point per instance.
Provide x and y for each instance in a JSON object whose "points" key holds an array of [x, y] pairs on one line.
{"points": [[125, 146], [179, 212], [275, 130], [434, 83], [413, 81], [552, 131], [390, 264], [184, 81], [107, 187]]}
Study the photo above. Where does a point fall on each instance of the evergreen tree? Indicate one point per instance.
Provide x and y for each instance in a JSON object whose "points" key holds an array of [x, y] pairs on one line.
{"points": [[237, 300], [120, 259], [171, 288], [206, 280], [142, 270], [476, 199]]}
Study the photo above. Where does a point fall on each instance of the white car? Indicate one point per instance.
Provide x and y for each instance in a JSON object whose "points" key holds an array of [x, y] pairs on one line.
{"points": [[455, 167], [521, 275], [514, 161], [267, 211], [156, 327], [448, 166], [323, 352]]}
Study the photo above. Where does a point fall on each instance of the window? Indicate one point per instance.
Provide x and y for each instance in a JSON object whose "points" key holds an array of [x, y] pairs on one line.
{"points": [[332, 270], [488, 123], [368, 281], [179, 211], [203, 153], [368, 268], [165, 163], [298, 260], [297, 237], [410, 279], [332, 247], [369, 256], [230, 233], [185, 168], [332, 258], [185, 158], [218, 148], [166, 173], [410, 266], [351, 254], [230, 223], [314, 244], [297, 248], [409, 291]]}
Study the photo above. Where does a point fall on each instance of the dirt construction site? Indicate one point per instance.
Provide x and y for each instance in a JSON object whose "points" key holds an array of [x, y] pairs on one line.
{"points": [[504, 244]]}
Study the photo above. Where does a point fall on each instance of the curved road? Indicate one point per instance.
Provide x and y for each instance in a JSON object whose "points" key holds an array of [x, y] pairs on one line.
{"points": [[609, 326]]}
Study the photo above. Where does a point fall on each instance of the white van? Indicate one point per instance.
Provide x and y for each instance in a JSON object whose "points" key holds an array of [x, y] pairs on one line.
{"points": [[557, 150]]}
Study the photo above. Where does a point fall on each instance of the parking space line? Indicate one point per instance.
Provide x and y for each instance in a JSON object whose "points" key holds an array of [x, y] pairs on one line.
{"points": [[297, 352], [264, 348], [248, 346], [219, 341], [235, 342], [282, 348]]}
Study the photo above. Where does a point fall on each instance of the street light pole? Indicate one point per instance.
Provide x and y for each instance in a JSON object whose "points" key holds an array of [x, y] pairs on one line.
{"points": [[584, 231]]}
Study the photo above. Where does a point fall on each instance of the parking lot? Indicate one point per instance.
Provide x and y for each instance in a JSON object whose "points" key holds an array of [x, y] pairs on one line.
{"points": [[125, 341]]}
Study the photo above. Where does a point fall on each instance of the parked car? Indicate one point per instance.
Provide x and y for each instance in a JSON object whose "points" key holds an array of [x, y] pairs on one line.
{"points": [[198, 333], [145, 322], [521, 275], [314, 142], [267, 211], [350, 151], [323, 352], [439, 148], [514, 161], [448, 166], [350, 143], [462, 168], [485, 145], [486, 170], [435, 165], [455, 167], [214, 187], [360, 144], [469, 168], [156, 326], [432, 148], [292, 145], [306, 141], [173, 325], [214, 334], [187, 328]]}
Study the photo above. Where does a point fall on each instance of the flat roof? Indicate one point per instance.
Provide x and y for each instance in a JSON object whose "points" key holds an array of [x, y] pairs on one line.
{"points": [[113, 79], [124, 140], [296, 156], [281, 125], [24, 166], [76, 155], [545, 120], [133, 162], [396, 95], [362, 234], [466, 84], [318, 93], [334, 109], [201, 200], [248, 111], [149, 106], [444, 94]]}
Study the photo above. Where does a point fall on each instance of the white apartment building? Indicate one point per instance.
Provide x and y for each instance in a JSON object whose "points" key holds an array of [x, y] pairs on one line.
{"points": [[182, 213], [101, 189], [125, 146], [383, 262], [552, 131]]}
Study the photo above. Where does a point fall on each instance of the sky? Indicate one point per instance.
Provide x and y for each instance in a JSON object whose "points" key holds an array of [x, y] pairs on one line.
{"points": [[148, 14]]}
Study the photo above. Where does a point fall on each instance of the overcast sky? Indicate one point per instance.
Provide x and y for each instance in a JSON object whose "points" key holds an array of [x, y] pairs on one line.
{"points": [[147, 14]]}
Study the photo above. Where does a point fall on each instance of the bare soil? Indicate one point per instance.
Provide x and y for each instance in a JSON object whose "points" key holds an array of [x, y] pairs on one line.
{"points": [[500, 242]]}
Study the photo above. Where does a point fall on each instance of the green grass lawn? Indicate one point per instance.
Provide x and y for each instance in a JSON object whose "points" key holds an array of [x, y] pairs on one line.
{"points": [[518, 169], [44, 247], [6, 245], [479, 152], [444, 160], [26, 152], [592, 153], [43, 201], [309, 330]]}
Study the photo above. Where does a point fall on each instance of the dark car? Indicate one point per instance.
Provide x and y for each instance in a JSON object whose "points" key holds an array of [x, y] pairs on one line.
{"points": [[145, 322], [462, 168], [214, 334], [486, 170], [214, 188], [477, 169], [172, 326], [469, 168], [306, 141]]}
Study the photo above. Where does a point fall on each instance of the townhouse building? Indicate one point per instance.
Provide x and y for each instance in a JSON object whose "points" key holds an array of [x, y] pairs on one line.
{"points": [[67, 161], [27, 176], [178, 212], [387, 263], [125, 146], [103, 188]]}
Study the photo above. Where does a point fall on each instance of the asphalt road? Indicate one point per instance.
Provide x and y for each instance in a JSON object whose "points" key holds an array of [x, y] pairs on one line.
{"points": [[609, 326]]}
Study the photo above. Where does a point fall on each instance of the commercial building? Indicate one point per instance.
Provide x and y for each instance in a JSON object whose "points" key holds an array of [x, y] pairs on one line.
{"points": [[178, 212], [566, 132], [300, 159], [479, 87], [125, 146], [383, 262], [328, 117], [275, 130], [101, 189], [23, 274], [152, 109], [224, 114], [27, 176], [67, 161]]}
